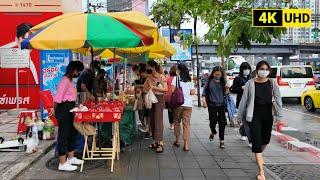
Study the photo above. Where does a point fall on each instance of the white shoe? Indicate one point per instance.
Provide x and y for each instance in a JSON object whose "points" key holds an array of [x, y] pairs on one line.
{"points": [[67, 167], [243, 138], [141, 129], [74, 161], [171, 127], [250, 145]]}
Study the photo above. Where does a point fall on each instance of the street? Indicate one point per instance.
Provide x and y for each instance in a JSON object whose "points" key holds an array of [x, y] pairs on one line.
{"points": [[308, 123], [205, 160]]}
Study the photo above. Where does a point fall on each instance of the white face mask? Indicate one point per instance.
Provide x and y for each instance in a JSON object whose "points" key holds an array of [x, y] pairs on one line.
{"points": [[246, 72], [74, 80], [263, 73]]}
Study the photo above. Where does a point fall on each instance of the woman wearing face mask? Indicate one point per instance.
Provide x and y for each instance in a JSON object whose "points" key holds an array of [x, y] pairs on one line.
{"points": [[158, 84], [261, 101], [214, 93], [237, 88], [64, 101], [183, 112]]}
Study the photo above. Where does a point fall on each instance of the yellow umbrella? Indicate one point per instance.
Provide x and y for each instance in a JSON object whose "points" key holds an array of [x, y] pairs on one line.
{"points": [[160, 48]]}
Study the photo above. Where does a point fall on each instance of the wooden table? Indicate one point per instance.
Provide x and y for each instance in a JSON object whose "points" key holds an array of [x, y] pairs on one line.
{"points": [[98, 153]]}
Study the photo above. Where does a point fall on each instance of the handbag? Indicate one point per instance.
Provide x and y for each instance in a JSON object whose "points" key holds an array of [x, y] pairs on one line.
{"points": [[177, 98], [274, 103]]}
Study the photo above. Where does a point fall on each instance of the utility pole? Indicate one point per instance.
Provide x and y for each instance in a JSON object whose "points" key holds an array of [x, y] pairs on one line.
{"points": [[88, 6]]}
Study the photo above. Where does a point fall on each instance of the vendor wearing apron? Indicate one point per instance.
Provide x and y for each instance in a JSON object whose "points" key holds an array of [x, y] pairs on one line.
{"points": [[64, 101]]}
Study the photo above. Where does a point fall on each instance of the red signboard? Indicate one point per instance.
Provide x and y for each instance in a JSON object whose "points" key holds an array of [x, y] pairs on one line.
{"points": [[29, 97], [29, 78]]}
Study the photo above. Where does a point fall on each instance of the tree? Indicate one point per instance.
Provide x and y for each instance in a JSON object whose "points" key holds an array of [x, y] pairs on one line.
{"points": [[167, 13]]}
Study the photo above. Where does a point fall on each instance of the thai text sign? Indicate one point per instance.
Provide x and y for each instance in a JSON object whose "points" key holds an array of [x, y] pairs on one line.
{"points": [[14, 58]]}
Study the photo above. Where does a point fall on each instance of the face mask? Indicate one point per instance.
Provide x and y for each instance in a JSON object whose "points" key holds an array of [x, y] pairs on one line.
{"points": [[246, 72], [263, 73], [75, 76], [74, 80], [217, 78]]}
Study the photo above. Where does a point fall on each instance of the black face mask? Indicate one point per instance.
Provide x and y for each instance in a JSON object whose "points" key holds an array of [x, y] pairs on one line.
{"points": [[75, 76], [149, 71]]}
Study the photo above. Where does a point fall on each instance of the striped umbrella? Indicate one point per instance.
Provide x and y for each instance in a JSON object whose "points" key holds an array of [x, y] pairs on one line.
{"points": [[81, 30]]}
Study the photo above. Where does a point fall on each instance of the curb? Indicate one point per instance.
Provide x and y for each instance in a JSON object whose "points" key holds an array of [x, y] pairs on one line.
{"points": [[23, 163], [294, 144]]}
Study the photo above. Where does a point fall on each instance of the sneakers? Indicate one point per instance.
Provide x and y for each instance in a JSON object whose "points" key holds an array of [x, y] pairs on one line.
{"points": [[142, 129], [74, 161], [67, 167], [243, 138], [249, 145], [171, 127]]}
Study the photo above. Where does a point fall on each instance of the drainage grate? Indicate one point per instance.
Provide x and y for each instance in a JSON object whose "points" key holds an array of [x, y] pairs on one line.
{"points": [[296, 171]]}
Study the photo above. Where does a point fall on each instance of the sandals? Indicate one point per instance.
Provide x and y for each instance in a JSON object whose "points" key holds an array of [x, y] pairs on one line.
{"points": [[222, 145], [176, 144], [185, 149], [211, 137], [153, 146], [160, 148]]}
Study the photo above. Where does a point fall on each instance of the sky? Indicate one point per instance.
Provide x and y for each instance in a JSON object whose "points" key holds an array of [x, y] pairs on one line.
{"points": [[201, 29]]}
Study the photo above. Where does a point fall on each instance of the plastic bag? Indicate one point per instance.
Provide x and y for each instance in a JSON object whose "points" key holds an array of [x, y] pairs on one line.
{"points": [[150, 98]]}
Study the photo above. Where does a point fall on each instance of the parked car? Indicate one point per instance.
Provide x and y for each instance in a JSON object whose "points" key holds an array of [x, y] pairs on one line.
{"points": [[311, 99], [293, 80]]}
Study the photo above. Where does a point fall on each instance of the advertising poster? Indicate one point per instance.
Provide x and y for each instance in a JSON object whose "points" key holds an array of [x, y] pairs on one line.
{"points": [[53, 65], [177, 38]]}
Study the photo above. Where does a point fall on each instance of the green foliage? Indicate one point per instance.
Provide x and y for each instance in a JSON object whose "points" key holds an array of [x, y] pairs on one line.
{"points": [[229, 21]]}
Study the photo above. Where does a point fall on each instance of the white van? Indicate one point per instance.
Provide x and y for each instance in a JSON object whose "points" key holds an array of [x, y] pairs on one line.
{"points": [[293, 80]]}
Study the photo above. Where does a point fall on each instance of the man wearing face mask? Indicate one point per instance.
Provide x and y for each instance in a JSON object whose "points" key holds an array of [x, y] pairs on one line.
{"points": [[260, 103], [86, 79], [64, 101]]}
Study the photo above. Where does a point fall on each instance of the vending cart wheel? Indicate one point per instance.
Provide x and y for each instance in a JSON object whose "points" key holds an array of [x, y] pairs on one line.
{"points": [[20, 140], [1, 140]]}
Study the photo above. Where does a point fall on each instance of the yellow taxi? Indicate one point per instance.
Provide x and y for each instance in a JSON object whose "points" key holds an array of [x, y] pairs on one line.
{"points": [[310, 99]]}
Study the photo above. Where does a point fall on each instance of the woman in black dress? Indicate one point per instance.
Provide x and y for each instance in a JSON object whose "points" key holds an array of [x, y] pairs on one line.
{"points": [[260, 103]]}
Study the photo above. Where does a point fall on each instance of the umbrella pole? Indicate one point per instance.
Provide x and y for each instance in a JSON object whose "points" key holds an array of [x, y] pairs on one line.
{"points": [[125, 72], [91, 51], [114, 73]]}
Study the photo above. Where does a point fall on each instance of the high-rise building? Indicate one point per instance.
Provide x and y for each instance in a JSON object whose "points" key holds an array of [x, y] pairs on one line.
{"points": [[127, 5], [305, 35]]}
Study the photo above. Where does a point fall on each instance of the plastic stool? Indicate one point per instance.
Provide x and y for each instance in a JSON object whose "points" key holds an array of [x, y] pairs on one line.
{"points": [[22, 126]]}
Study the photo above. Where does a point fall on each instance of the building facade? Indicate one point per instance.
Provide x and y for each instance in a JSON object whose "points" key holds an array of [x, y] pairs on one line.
{"points": [[305, 35], [127, 5]]}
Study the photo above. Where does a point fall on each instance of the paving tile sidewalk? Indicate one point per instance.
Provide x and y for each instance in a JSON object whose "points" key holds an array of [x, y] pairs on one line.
{"points": [[205, 160], [12, 163]]}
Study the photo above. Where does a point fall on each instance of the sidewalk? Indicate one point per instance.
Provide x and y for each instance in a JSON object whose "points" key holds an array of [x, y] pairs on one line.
{"points": [[205, 160], [12, 163]]}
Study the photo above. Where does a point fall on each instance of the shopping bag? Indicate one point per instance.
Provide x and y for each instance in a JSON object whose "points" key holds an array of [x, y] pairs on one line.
{"points": [[84, 128], [150, 98]]}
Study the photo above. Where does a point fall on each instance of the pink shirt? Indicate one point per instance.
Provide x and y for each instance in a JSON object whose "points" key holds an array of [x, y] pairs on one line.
{"points": [[66, 91]]}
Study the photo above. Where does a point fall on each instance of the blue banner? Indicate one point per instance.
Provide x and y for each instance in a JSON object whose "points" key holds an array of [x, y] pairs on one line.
{"points": [[53, 68]]}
